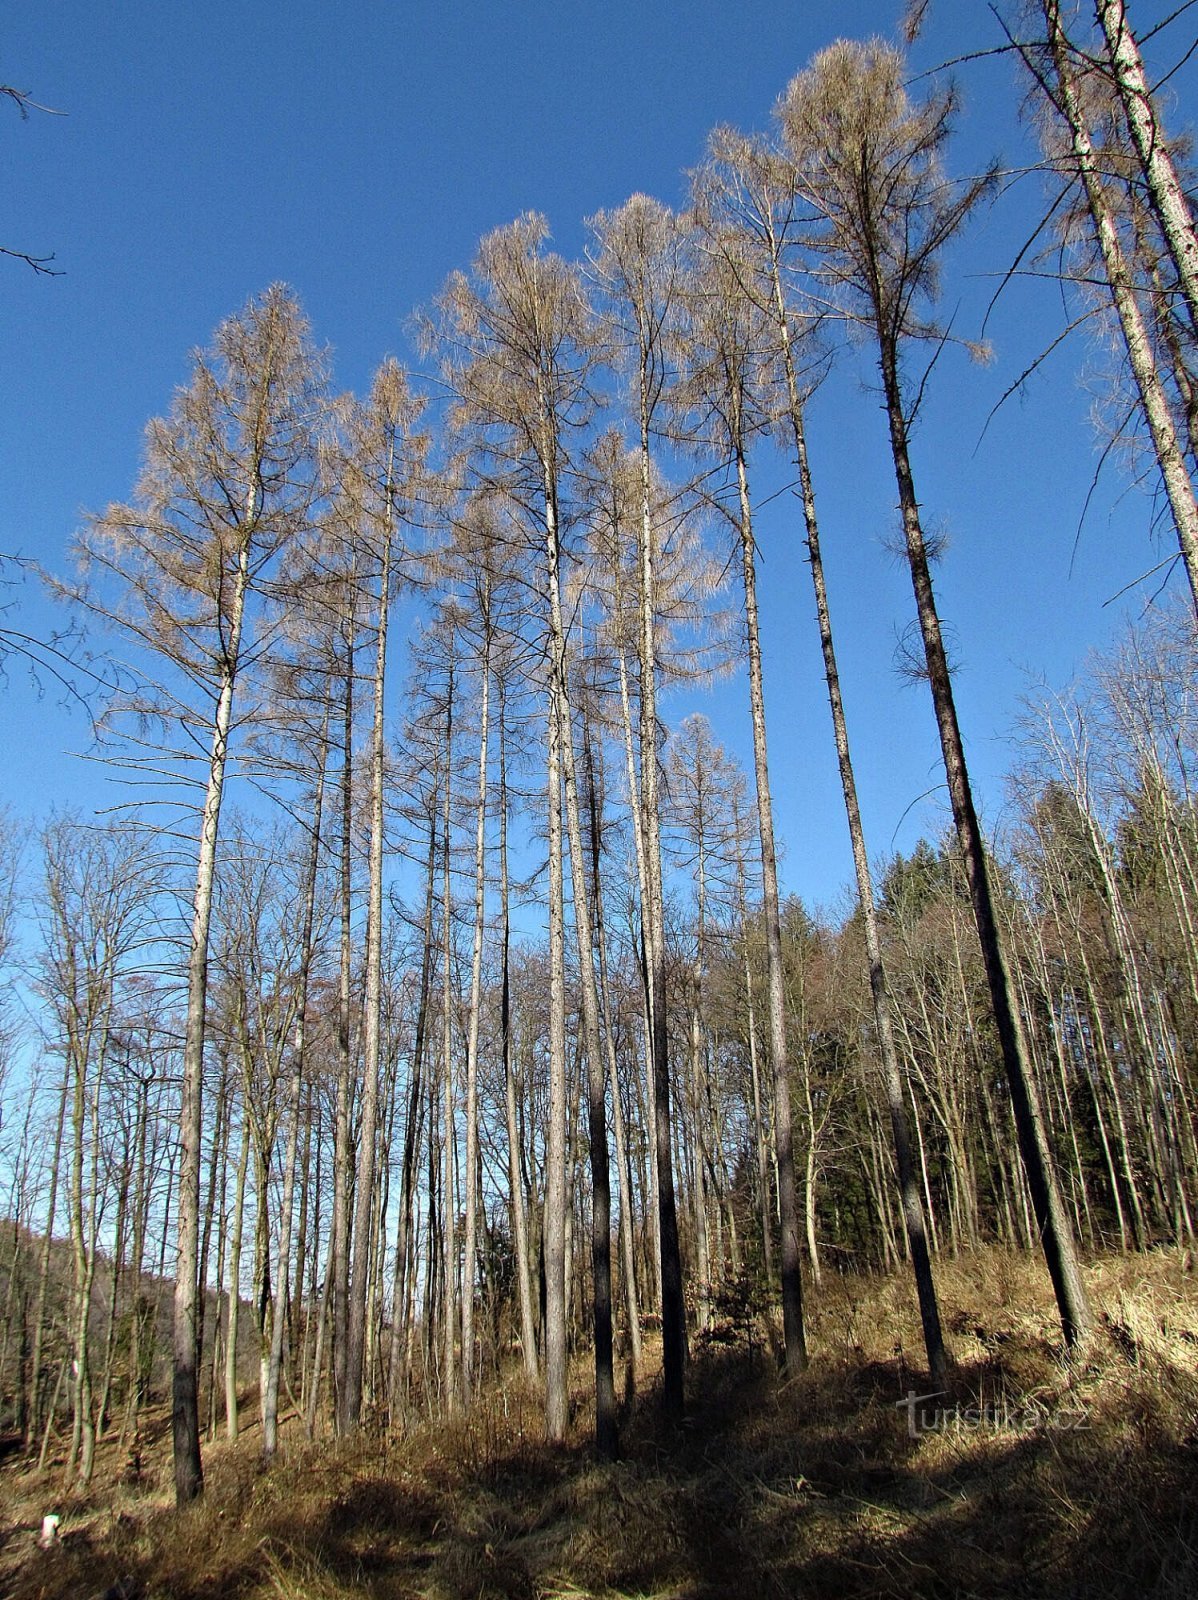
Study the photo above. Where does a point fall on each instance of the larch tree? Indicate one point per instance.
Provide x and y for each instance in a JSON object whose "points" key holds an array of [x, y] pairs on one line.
{"points": [[307, 887], [704, 786], [380, 480], [1153, 148], [748, 205], [868, 163], [519, 353], [227, 483], [640, 265], [1062, 73], [725, 397]]}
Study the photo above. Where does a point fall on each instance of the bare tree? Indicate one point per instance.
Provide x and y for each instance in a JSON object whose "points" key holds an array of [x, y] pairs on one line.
{"points": [[749, 207], [640, 262], [518, 356], [868, 163], [723, 346], [1060, 72], [100, 887], [227, 483], [380, 474]]}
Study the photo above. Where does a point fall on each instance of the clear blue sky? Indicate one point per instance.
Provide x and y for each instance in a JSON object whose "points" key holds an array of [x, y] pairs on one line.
{"points": [[359, 150]]}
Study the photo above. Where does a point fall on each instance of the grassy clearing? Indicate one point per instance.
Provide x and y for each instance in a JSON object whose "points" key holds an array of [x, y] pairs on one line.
{"points": [[1032, 1479]]}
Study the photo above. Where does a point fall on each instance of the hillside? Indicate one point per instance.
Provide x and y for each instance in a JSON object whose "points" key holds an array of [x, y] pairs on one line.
{"points": [[1032, 1479]]}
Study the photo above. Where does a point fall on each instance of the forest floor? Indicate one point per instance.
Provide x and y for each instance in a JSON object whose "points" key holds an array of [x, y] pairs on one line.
{"points": [[1033, 1478]]}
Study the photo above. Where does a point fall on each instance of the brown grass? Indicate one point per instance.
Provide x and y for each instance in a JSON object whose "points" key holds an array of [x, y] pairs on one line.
{"points": [[1047, 1479]]}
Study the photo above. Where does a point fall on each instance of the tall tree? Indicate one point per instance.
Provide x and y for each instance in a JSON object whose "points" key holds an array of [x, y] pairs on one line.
{"points": [[640, 261], [227, 484], [1060, 70], [868, 163], [100, 887], [1153, 148], [748, 204], [723, 346], [519, 355], [380, 479]]}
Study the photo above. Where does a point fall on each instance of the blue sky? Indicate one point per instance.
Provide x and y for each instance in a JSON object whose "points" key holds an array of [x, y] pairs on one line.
{"points": [[359, 150]]}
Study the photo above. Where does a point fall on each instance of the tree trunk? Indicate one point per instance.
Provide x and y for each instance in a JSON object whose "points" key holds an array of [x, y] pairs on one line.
{"points": [[556, 1398], [34, 1419], [673, 1309], [406, 1240], [1157, 411], [913, 1213], [449, 1238], [364, 1196], [470, 1246], [233, 1312], [270, 1402], [185, 1412], [1169, 203], [793, 1337], [528, 1336], [623, 1165], [1056, 1238], [339, 1245]]}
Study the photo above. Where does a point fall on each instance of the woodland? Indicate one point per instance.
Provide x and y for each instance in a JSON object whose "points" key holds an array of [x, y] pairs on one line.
{"points": [[452, 1165]]}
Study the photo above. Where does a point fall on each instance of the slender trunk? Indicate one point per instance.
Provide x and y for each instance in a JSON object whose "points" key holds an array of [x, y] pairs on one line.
{"points": [[556, 1400], [470, 1246], [270, 1402], [699, 1154], [43, 1275], [234, 1293], [449, 1240], [623, 1165], [913, 1213], [322, 1324], [185, 1410], [124, 1179], [673, 1310], [1169, 202], [339, 1247], [760, 1131], [364, 1196], [412, 1126], [1055, 1235], [528, 1336], [605, 1393], [141, 1202], [1158, 413], [562, 747], [218, 1168], [793, 1338], [83, 1241], [637, 813]]}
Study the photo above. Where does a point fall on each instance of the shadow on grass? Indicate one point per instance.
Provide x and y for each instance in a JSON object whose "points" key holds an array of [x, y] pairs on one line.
{"points": [[1027, 1482]]}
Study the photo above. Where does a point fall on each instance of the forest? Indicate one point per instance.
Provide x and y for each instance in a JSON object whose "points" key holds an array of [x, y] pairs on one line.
{"points": [[426, 1047]]}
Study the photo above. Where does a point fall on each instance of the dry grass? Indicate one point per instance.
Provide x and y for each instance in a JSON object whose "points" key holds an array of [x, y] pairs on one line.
{"points": [[1035, 1478]]}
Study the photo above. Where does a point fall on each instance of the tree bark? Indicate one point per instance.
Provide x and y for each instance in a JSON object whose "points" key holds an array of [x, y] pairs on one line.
{"points": [[270, 1403], [470, 1239], [185, 1414], [364, 1196], [793, 1336], [1055, 1236], [1169, 202], [1158, 413]]}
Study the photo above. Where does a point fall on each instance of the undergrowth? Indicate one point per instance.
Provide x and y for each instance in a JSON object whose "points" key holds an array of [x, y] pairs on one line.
{"points": [[1034, 1477]]}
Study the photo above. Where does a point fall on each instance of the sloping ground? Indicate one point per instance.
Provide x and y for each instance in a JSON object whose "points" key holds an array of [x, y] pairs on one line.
{"points": [[1030, 1480]]}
